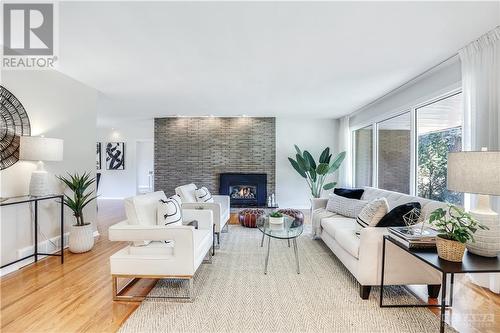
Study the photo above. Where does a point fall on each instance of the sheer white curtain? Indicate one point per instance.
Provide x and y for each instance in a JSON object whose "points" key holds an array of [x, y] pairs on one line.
{"points": [[481, 90], [344, 140]]}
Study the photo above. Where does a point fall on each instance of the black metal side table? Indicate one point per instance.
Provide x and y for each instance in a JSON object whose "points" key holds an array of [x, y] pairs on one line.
{"points": [[471, 264], [28, 199]]}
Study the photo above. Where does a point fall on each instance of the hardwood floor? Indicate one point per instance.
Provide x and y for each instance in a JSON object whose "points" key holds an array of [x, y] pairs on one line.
{"points": [[76, 296]]}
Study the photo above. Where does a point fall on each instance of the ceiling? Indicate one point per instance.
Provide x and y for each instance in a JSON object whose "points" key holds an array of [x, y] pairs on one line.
{"points": [[259, 59]]}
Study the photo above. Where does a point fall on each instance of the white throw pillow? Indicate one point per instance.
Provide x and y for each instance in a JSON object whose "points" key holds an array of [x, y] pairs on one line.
{"points": [[373, 212], [345, 206], [203, 195], [169, 211]]}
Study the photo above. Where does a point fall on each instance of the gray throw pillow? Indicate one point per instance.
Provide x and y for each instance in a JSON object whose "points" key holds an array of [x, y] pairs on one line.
{"points": [[345, 206]]}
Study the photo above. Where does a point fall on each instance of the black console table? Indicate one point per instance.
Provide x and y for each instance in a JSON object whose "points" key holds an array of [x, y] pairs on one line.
{"points": [[29, 199], [471, 264]]}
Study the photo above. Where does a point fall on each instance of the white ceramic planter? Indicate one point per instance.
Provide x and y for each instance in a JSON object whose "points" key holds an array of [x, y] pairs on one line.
{"points": [[276, 220], [81, 238]]}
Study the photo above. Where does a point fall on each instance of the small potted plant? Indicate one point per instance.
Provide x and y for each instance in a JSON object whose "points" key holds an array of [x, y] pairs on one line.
{"points": [[81, 237], [455, 227], [276, 218]]}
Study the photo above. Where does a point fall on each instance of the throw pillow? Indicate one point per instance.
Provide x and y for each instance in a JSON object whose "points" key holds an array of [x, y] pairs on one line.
{"points": [[345, 206], [395, 217], [351, 193], [169, 211], [203, 195], [373, 212]]}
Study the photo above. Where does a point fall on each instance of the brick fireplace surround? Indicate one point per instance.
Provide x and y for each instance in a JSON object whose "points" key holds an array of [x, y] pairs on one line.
{"points": [[196, 150]]}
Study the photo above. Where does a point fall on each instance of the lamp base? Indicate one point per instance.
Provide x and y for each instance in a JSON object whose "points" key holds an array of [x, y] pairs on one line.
{"points": [[39, 184], [487, 242]]}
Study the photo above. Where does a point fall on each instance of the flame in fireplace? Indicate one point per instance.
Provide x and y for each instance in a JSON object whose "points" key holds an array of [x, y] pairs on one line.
{"points": [[243, 192]]}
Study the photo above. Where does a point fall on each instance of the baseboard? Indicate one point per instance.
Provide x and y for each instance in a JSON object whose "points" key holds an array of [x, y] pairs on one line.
{"points": [[45, 246]]}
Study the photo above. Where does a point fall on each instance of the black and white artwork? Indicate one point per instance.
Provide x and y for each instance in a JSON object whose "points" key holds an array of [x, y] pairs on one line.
{"points": [[98, 156], [115, 156], [14, 122]]}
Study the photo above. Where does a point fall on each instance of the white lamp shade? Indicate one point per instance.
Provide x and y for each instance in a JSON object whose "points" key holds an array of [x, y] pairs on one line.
{"points": [[34, 148], [474, 172]]}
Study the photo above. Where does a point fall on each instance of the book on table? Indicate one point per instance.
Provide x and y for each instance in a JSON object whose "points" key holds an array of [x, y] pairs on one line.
{"points": [[414, 237]]}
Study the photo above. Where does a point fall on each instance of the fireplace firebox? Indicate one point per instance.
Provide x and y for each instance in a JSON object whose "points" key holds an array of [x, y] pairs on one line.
{"points": [[244, 189]]}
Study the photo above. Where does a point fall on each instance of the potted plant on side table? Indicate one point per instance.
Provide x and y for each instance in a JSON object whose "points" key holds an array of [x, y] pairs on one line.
{"points": [[81, 236], [455, 227]]}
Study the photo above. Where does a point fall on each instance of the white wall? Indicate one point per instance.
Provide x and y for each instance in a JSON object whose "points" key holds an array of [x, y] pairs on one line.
{"points": [[432, 84], [309, 134], [118, 184], [58, 107]]}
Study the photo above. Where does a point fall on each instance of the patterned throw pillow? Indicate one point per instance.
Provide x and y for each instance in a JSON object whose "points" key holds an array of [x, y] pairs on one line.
{"points": [[344, 206], [203, 195], [373, 212], [169, 211]]}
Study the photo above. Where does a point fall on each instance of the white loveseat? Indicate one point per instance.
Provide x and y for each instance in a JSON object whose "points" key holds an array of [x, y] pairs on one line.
{"points": [[220, 206], [362, 255], [158, 251]]}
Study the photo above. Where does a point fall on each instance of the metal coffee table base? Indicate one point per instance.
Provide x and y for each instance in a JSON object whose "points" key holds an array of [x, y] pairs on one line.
{"points": [[295, 250]]}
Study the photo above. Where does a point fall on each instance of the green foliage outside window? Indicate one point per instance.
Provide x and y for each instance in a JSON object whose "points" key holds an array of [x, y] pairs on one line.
{"points": [[433, 151]]}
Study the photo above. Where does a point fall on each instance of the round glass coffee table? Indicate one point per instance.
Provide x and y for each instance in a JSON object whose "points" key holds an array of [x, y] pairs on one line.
{"points": [[290, 229]]}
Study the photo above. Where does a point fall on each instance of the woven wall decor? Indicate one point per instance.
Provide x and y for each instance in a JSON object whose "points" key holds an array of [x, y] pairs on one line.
{"points": [[14, 122]]}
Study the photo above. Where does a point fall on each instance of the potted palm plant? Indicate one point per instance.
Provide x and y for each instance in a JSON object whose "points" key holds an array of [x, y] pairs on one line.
{"points": [[81, 238], [455, 227]]}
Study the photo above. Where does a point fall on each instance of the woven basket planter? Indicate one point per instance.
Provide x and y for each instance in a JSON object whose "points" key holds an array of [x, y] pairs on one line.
{"points": [[450, 250]]}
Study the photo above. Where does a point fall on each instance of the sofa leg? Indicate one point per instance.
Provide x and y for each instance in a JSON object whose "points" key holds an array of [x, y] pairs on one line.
{"points": [[218, 238], [364, 292], [433, 290]]}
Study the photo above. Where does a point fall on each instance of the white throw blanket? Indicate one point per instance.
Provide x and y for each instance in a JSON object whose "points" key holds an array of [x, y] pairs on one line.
{"points": [[317, 215]]}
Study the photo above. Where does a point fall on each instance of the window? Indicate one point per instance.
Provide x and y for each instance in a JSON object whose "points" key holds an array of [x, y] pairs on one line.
{"points": [[439, 129], [363, 156], [408, 152], [394, 153]]}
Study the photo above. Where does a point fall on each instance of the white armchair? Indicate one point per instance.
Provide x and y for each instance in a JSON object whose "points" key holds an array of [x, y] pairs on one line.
{"points": [[158, 251], [220, 207]]}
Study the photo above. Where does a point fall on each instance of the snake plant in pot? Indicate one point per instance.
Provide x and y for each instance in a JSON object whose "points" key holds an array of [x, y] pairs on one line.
{"points": [[81, 238], [315, 173], [455, 227]]}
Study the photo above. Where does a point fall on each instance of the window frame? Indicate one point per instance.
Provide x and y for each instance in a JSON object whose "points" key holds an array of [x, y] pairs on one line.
{"points": [[412, 108]]}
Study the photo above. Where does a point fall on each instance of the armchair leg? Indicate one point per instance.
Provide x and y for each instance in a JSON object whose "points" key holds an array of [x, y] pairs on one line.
{"points": [[190, 291], [364, 292], [433, 290], [209, 255], [218, 239], [119, 296], [213, 241]]}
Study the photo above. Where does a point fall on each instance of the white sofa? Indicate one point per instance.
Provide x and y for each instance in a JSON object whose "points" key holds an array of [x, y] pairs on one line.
{"points": [[220, 206], [158, 251], [362, 255]]}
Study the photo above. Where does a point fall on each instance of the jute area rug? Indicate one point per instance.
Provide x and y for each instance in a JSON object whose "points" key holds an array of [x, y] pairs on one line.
{"points": [[234, 295]]}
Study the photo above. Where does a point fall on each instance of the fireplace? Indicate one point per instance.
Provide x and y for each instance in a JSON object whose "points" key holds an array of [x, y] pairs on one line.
{"points": [[244, 189]]}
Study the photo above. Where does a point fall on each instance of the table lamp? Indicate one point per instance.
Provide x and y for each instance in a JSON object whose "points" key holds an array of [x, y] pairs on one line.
{"points": [[40, 149], [479, 172]]}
